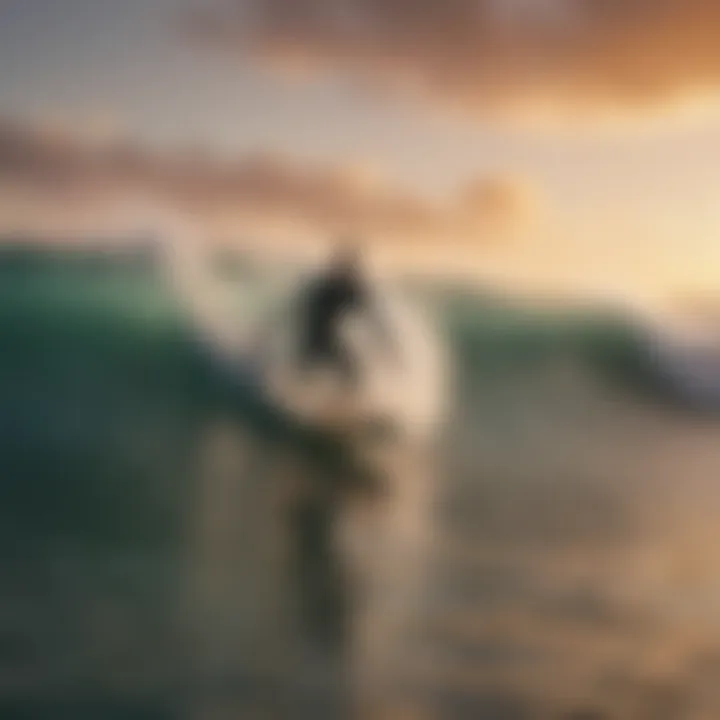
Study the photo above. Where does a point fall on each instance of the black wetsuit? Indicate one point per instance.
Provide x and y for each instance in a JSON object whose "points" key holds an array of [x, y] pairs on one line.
{"points": [[326, 302]]}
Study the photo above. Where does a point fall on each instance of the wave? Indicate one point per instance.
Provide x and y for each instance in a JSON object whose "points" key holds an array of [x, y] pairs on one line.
{"points": [[164, 295]]}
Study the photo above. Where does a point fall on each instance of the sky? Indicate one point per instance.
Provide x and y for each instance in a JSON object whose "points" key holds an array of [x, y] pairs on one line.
{"points": [[560, 143]]}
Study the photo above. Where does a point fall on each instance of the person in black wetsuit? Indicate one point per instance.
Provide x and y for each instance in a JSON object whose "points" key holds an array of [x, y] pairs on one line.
{"points": [[329, 298]]}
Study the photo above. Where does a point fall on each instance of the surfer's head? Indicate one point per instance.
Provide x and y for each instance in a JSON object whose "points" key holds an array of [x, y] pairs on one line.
{"points": [[347, 256]]}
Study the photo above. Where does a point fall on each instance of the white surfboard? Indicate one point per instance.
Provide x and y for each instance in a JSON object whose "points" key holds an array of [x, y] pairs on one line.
{"points": [[399, 396]]}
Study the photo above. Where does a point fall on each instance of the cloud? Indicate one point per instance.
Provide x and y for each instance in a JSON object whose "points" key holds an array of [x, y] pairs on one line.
{"points": [[485, 56], [54, 166]]}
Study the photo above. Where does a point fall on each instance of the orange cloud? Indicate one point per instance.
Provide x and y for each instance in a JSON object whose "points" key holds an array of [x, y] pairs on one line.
{"points": [[56, 167], [486, 55]]}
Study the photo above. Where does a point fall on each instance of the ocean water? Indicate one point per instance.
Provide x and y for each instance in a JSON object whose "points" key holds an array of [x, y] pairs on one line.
{"points": [[172, 549]]}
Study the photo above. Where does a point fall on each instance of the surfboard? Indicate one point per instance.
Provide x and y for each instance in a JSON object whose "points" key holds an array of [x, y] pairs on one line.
{"points": [[393, 397]]}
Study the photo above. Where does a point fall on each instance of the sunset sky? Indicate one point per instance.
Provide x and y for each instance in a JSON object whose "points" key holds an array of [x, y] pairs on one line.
{"points": [[557, 142]]}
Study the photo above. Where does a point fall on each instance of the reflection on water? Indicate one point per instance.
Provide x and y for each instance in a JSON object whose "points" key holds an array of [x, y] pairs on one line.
{"points": [[565, 569], [304, 579]]}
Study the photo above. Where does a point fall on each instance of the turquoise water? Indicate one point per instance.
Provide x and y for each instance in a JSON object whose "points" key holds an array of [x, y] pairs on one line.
{"points": [[157, 562]]}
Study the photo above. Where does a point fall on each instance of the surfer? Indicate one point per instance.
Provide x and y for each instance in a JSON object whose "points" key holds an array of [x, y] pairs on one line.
{"points": [[341, 290]]}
